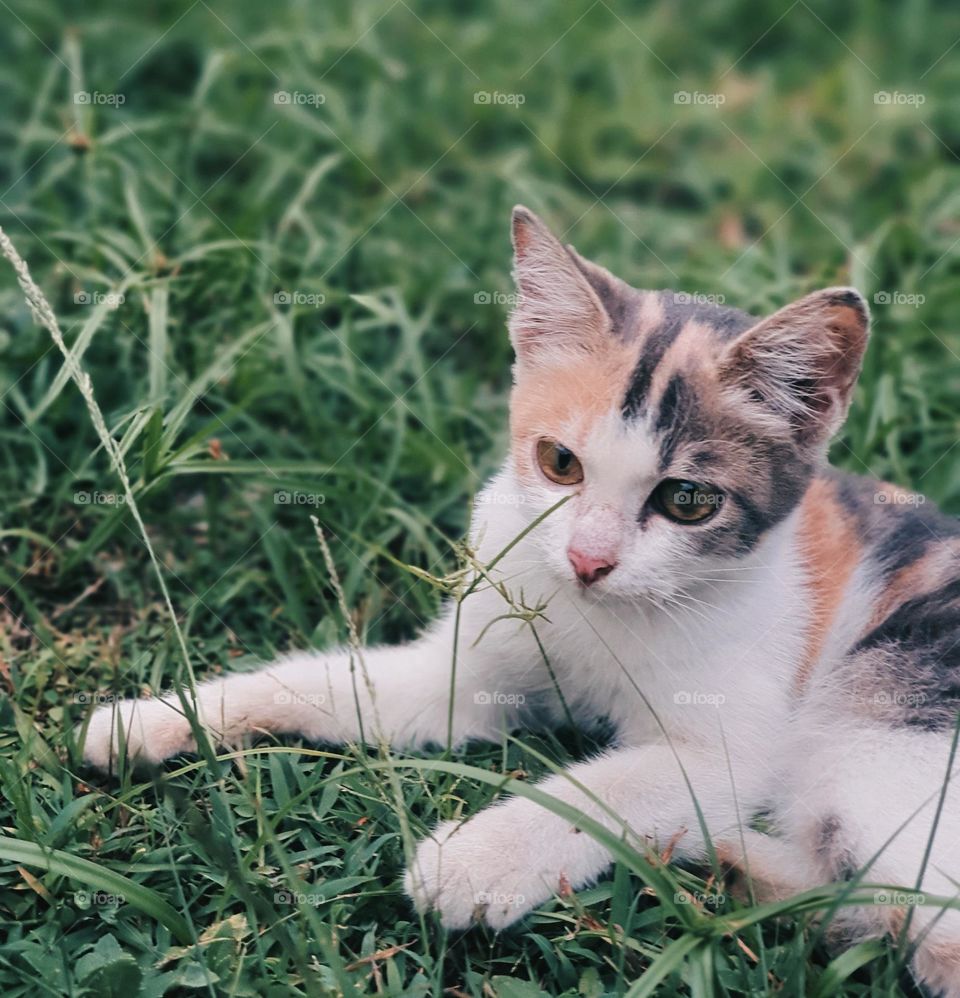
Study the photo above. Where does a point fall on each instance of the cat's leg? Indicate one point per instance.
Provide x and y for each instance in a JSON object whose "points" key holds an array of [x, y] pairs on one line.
{"points": [[763, 868], [400, 694], [516, 854], [875, 791]]}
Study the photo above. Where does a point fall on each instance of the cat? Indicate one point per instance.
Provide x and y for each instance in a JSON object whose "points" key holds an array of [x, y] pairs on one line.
{"points": [[764, 633]]}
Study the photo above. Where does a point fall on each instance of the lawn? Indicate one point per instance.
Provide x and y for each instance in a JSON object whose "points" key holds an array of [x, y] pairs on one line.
{"points": [[276, 238]]}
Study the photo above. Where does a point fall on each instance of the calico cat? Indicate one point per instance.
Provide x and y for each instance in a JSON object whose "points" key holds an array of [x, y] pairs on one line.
{"points": [[764, 633]]}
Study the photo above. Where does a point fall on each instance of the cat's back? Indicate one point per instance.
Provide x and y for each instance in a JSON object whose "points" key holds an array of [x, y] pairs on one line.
{"points": [[889, 561]]}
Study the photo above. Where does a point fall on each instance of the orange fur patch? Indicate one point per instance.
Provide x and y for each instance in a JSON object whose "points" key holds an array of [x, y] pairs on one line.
{"points": [[564, 400], [924, 575], [831, 549]]}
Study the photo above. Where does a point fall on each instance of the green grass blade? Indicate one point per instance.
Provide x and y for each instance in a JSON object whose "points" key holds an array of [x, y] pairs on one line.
{"points": [[99, 877]]}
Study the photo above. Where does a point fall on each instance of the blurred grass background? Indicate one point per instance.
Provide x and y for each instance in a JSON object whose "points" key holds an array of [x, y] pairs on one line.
{"points": [[277, 238]]}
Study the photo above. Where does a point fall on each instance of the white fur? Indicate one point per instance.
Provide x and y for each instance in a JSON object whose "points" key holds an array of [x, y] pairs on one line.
{"points": [[697, 691], [693, 660]]}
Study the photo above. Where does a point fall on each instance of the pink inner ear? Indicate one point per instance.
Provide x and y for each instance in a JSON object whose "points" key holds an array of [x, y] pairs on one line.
{"points": [[521, 233], [803, 361], [847, 328]]}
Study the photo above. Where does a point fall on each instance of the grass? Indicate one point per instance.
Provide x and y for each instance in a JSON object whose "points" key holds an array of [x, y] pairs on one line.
{"points": [[300, 317]]}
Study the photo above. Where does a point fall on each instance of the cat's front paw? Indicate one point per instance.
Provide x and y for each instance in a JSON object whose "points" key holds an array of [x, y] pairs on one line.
{"points": [[479, 872], [153, 730]]}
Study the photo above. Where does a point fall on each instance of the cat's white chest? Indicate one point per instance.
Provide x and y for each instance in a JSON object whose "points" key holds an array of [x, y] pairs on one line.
{"points": [[717, 667], [712, 672]]}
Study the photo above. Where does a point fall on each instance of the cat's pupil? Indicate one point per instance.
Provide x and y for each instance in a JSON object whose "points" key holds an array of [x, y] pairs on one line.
{"points": [[558, 463]]}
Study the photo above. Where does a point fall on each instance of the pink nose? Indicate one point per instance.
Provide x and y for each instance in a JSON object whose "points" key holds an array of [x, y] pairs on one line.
{"points": [[590, 568]]}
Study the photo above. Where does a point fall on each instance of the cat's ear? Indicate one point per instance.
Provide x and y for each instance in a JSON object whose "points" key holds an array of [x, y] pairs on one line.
{"points": [[801, 363], [557, 311]]}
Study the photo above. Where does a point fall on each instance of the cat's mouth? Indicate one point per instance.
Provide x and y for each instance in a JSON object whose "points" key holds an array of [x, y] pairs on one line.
{"points": [[657, 597], [601, 591]]}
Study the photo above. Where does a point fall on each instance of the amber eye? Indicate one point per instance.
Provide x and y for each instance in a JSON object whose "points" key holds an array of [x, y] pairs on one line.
{"points": [[559, 464], [685, 502]]}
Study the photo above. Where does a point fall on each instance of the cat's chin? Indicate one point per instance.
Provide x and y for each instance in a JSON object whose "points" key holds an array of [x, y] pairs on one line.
{"points": [[604, 592], [649, 597], [619, 591]]}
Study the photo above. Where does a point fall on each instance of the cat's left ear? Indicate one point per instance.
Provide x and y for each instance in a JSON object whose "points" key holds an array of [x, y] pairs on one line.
{"points": [[801, 364], [557, 312]]}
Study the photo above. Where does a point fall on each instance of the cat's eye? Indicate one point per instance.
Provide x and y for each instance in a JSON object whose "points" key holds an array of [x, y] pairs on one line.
{"points": [[559, 463], [685, 502]]}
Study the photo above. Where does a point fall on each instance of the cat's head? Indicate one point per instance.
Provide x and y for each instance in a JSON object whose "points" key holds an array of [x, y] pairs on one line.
{"points": [[682, 431]]}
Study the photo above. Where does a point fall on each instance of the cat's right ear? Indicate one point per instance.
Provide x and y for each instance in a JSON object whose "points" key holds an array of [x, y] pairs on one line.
{"points": [[557, 312], [800, 364]]}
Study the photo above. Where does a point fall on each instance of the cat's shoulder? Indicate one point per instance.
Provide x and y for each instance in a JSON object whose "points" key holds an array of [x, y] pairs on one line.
{"points": [[903, 548], [895, 524], [902, 665]]}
